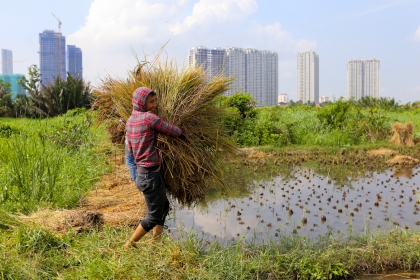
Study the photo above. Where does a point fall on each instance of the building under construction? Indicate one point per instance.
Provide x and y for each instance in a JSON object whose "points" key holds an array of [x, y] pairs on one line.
{"points": [[52, 55], [15, 87]]}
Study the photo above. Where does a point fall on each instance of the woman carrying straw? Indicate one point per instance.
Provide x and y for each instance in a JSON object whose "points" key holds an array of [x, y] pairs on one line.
{"points": [[129, 157], [141, 134]]}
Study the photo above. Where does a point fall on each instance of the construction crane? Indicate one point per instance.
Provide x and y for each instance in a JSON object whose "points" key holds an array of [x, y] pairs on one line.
{"points": [[9, 62], [59, 23], [59, 44]]}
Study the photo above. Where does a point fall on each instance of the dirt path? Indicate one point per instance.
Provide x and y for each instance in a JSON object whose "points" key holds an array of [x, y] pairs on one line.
{"points": [[115, 202]]}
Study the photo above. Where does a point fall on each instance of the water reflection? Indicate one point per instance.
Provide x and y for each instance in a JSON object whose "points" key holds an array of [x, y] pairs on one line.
{"points": [[391, 276], [306, 199]]}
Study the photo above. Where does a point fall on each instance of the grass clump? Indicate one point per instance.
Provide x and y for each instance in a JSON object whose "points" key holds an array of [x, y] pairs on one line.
{"points": [[99, 255], [50, 162], [6, 130], [37, 240], [187, 99]]}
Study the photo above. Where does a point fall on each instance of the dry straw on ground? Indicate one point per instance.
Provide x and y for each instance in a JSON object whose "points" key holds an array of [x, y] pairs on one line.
{"points": [[402, 134], [116, 202], [186, 98], [381, 152]]}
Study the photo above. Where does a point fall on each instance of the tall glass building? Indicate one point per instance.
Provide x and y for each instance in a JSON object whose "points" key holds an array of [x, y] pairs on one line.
{"points": [[74, 61], [52, 56], [6, 62]]}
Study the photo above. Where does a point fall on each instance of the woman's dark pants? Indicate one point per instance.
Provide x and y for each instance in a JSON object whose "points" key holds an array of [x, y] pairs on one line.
{"points": [[152, 185]]}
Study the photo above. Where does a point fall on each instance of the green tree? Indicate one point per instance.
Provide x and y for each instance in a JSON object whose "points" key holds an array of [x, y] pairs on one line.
{"points": [[6, 104], [55, 98], [22, 106], [245, 104], [33, 84], [383, 102]]}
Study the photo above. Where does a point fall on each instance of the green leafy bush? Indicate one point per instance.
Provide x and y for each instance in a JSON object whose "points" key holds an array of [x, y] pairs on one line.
{"points": [[334, 115], [72, 134]]}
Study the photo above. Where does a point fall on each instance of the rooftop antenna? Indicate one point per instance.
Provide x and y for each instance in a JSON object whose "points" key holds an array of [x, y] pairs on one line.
{"points": [[59, 44]]}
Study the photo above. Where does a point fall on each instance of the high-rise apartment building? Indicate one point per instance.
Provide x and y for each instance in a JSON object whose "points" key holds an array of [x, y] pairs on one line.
{"points": [[308, 77], [254, 75], [198, 57], [363, 78], [6, 62], [323, 99], [254, 71], [52, 55], [262, 76], [212, 60], [74, 61], [283, 99], [270, 77], [236, 67], [216, 61]]}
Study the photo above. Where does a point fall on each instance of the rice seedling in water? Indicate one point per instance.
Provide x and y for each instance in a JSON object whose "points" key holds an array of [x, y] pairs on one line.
{"points": [[186, 98]]}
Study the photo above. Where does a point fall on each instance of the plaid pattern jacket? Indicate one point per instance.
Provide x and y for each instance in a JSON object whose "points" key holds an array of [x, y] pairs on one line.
{"points": [[142, 128]]}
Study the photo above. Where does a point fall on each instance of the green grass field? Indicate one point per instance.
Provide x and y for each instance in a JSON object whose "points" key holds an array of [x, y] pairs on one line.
{"points": [[52, 163]]}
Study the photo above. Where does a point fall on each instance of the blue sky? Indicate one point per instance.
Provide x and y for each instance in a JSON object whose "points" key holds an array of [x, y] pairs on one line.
{"points": [[338, 30]]}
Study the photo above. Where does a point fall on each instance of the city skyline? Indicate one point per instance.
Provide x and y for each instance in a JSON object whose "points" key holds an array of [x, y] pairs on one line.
{"points": [[337, 31], [254, 71]]}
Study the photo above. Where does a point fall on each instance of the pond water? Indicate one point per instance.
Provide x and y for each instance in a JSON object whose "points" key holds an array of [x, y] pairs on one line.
{"points": [[305, 201]]}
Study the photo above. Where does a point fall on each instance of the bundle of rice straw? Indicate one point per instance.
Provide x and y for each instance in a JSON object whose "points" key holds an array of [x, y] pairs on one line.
{"points": [[402, 134], [186, 98]]}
